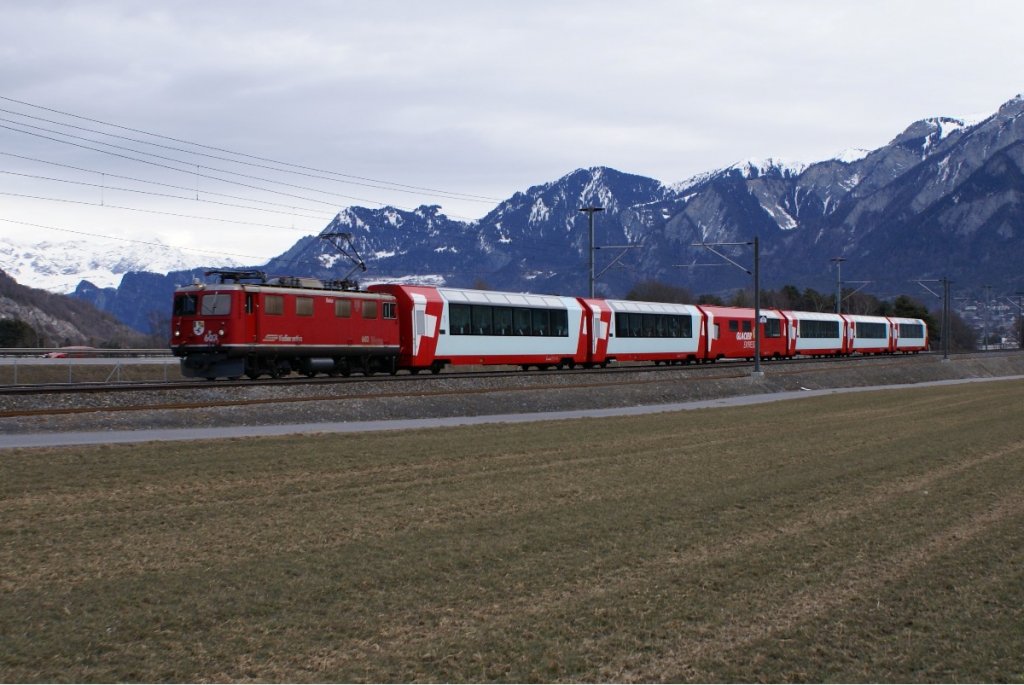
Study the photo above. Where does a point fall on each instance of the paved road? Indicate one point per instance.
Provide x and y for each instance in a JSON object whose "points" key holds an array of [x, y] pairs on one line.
{"points": [[134, 436]]}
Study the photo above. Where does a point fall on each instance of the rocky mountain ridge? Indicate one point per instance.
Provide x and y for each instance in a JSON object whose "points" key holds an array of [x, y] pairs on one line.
{"points": [[942, 198]]}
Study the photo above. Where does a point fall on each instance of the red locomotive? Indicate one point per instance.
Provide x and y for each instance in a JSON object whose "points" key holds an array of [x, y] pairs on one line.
{"points": [[247, 324]]}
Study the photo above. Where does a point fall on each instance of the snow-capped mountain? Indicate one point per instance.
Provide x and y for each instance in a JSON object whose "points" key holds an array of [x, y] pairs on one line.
{"points": [[945, 197], [60, 266]]}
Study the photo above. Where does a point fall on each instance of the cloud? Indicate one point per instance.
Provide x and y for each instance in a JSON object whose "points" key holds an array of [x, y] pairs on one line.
{"points": [[490, 98]]}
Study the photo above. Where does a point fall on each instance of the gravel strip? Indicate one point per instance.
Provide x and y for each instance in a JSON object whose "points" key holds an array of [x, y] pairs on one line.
{"points": [[518, 393]]}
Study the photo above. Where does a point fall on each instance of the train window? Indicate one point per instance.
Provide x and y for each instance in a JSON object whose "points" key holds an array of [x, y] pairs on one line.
{"points": [[369, 309], [911, 330], [458, 319], [560, 322], [250, 307], [522, 322], [819, 329], [304, 306], [482, 319], [216, 304], [872, 330], [343, 308], [621, 325], [503, 321], [389, 310], [541, 324], [185, 305], [672, 326], [734, 325], [649, 322], [273, 304], [772, 328], [686, 326], [746, 326]]}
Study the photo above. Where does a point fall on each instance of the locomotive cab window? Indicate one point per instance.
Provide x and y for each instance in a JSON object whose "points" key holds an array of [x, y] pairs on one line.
{"points": [[772, 328], [216, 304], [389, 310], [185, 305]]}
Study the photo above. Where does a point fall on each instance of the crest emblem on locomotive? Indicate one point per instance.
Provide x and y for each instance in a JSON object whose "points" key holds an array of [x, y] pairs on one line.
{"points": [[198, 327]]}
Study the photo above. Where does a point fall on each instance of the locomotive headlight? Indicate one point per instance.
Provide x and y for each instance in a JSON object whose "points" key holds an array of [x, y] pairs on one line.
{"points": [[220, 332], [177, 334]]}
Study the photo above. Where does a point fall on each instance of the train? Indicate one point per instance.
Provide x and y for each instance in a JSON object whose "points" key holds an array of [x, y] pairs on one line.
{"points": [[249, 324]]}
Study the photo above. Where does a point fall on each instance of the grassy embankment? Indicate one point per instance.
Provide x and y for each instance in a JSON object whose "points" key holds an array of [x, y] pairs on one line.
{"points": [[875, 536]]}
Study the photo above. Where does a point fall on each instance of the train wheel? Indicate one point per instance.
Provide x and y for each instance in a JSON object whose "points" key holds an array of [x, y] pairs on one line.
{"points": [[435, 368], [414, 372]]}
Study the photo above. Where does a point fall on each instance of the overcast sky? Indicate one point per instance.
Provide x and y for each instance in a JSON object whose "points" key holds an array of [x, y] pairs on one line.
{"points": [[469, 98]]}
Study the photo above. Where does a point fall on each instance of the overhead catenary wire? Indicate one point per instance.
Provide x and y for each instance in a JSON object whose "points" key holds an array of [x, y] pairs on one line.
{"points": [[386, 185], [190, 189], [190, 171], [149, 193], [178, 215]]}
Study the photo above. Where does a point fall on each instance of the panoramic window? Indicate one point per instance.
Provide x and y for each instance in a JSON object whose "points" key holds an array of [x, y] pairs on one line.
{"points": [[653, 326], [485, 319], [911, 330]]}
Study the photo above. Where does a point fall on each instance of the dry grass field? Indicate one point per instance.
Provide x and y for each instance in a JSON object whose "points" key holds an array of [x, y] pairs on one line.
{"points": [[865, 537]]}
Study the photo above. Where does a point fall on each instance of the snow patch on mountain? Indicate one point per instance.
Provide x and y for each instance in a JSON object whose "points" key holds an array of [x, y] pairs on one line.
{"points": [[59, 266], [756, 168]]}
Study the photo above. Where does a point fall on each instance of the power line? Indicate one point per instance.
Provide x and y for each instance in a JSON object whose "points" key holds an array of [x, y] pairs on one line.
{"points": [[182, 162], [150, 211], [143, 192], [164, 185], [394, 185], [439, 193]]}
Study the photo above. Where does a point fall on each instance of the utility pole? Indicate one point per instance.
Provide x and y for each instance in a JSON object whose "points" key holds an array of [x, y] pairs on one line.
{"points": [[1020, 319], [988, 295], [944, 323], [947, 311], [839, 282], [590, 211]]}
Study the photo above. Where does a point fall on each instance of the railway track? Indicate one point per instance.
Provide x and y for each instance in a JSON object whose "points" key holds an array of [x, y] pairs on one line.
{"points": [[57, 400]]}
